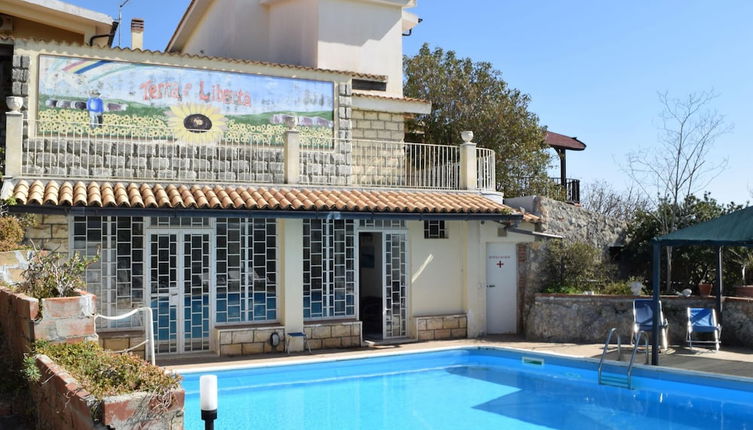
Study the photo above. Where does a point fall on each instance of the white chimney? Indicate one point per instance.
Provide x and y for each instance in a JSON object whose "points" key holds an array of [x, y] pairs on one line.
{"points": [[137, 33]]}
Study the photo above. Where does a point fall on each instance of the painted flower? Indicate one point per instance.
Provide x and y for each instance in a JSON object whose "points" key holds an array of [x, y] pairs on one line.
{"points": [[196, 123]]}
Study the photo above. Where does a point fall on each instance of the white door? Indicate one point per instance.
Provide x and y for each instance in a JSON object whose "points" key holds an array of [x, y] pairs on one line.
{"points": [[501, 288]]}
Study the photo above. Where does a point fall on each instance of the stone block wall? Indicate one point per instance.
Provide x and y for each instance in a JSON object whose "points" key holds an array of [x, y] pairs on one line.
{"points": [[247, 340], [326, 335], [12, 266], [588, 319], [372, 125], [61, 403], [122, 340], [49, 233], [442, 327], [63, 319]]}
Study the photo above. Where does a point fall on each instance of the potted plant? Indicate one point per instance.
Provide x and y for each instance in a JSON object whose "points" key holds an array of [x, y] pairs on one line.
{"points": [[704, 288]]}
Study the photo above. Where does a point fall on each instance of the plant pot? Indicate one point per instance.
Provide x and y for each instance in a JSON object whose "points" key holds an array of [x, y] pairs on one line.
{"points": [[705, 289], [744, 291]]}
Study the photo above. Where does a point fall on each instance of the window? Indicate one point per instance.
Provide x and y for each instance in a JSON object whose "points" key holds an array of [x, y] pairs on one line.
{"points": [[328, 269], [117, 277], [246, 270], [435, 229]]}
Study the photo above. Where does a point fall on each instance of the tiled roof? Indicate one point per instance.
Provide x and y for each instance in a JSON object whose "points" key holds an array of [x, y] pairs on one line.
{"points": [[382, 97], [171, 196], [556, 140]]}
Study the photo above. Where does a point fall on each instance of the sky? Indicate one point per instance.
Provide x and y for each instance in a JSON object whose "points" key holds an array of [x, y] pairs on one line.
{"points": [[593, 68]]}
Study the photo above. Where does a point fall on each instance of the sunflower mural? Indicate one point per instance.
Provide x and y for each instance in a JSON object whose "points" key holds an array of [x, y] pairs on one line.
{"points": [[196, 123]]}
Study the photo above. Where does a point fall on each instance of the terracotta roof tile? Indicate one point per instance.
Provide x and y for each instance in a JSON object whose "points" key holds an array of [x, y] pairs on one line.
{"points": [[51, 193]]}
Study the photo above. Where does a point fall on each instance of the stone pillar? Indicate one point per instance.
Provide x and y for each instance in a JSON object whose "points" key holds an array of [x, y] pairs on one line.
{"points": [[290, 288], [468, 164], [474, 291], [291, 153], [14, 135]]}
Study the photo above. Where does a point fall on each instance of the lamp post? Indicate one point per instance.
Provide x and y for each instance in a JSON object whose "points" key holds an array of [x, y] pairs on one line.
{"points": [[208, 400]]}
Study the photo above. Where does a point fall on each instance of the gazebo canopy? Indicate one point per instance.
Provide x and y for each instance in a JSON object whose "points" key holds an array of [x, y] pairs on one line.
{"points": [[734, 229]]}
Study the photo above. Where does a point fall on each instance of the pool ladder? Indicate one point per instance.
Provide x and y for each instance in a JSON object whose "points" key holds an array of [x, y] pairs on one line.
{"points": [[624, 381]]}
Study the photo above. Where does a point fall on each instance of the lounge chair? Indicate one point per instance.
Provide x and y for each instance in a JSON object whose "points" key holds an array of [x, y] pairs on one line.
{"points": [[703, 320], [643, 320]]}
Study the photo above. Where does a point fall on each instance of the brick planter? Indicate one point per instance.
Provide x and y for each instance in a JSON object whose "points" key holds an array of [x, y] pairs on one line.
{"points": [[62, 403], [24, 319]]}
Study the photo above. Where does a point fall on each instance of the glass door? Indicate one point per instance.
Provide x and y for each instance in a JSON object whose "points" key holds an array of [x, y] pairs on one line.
{"points": [[395, 294], [179, 275]]}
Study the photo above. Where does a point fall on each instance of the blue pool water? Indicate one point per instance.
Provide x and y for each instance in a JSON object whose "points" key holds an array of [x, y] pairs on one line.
{"points": [[467, 388]]}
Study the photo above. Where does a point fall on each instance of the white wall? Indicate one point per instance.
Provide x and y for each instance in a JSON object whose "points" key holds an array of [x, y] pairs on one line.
{"points": [[364, 37], [349, 35], [232, 28], [448, 276]]}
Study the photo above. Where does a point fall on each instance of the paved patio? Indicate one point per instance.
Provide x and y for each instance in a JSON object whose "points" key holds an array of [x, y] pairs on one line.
{"points": [[729, 361]]}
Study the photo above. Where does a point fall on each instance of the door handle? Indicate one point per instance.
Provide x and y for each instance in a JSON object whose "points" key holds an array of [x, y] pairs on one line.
{"points": [[491, 286]]}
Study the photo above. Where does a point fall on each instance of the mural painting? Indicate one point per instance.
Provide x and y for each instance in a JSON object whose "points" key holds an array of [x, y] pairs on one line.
{"points": [[79, 96]]}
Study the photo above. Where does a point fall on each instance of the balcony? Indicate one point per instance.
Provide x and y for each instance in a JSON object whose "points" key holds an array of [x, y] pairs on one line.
{"points": [[553, 188], [140, 154]]}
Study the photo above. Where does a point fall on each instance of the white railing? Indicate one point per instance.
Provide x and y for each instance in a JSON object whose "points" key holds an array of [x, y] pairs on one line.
{"points": [[123, 152], [485, 169], [393, 164], [148, 330]]}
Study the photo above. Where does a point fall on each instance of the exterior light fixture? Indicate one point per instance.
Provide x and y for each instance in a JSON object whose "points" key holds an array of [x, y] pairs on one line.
{"points": [[208, 400]]}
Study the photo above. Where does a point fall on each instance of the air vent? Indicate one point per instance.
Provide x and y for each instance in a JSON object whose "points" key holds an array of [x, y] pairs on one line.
{"points": [[363, 84]]}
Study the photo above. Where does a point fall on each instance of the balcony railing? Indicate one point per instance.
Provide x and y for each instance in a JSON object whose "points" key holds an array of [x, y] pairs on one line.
{"points": [[553, 188], [121, 152]]}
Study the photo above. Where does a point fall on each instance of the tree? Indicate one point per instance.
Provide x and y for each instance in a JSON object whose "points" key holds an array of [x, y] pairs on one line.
{"points": [[690, 264], [468, 95], [678, 167], [600, 197]]}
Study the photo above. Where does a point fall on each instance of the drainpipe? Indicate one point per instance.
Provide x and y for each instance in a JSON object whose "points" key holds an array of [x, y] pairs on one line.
{"points": [[110, 36]]}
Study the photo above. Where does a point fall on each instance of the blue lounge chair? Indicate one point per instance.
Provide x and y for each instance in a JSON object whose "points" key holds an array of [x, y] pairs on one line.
{"points": [[703, 320], [643, 320]]}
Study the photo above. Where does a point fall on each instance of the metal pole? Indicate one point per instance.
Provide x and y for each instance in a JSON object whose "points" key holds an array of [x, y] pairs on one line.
{"points": [[719, 284], [655, 276]]}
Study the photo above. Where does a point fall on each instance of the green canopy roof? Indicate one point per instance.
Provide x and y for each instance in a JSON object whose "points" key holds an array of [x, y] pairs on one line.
{"points": [[734, 229]]}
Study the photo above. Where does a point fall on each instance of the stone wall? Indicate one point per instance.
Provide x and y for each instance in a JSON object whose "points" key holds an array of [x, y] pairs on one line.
{"points": [[50, 233], [60, 319], [372, 125], [588, 319], [122, 340], [340, 334], [442, 327], [61, 403], [232, 341], [574, 224]]}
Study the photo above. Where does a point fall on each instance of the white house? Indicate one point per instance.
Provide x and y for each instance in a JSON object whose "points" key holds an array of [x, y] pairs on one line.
{"points": [[232, 226]]}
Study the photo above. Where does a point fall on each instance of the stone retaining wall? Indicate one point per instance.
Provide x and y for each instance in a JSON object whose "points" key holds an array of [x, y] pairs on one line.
{"points": [[60, 319], [325, 335], [233, 341], [442, 327], [587, 319], [61, 403], [122, 340]]}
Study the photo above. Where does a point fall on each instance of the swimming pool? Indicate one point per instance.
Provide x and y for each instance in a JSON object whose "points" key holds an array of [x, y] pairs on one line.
{"points": [[468, 388]]}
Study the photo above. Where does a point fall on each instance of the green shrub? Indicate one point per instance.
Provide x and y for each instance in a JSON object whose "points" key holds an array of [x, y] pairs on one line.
{"points": [[53, 275], [104, 373], [573, 268]]}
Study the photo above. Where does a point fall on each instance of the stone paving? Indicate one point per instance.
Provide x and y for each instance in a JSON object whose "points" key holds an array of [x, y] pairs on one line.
{"points": [[728, 361]]}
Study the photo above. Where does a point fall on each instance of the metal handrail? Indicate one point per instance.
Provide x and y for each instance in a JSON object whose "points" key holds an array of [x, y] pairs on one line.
{"points": [[148, 329], [606, 348], [641, 334]]}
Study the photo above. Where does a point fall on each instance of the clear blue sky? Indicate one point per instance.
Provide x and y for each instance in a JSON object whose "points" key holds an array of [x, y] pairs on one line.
{"points": [[592, 67]]}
